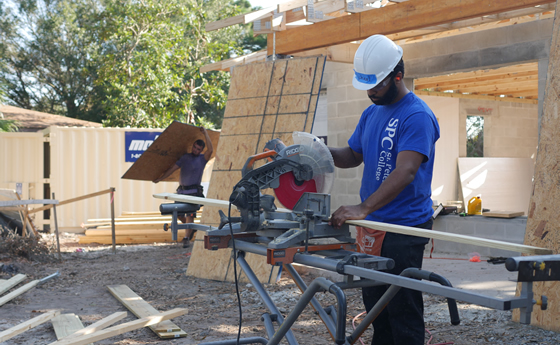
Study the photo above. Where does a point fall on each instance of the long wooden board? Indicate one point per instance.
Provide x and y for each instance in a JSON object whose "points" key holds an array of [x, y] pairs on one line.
{"points": [[445, 236], [10, 283], [131, 239], [406, 230], [5, 299], [543, 217], [122, 328], [141, 308], [27, 325]]}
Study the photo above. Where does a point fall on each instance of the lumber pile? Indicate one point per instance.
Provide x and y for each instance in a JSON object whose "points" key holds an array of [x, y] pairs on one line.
{"points": [[131, 228]]}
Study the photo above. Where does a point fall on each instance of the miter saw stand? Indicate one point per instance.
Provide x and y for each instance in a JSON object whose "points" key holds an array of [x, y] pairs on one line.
{"points": [[356, 270]]}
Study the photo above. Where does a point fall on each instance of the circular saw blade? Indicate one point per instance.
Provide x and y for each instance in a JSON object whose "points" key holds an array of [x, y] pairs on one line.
{"points": [[317, 155]]}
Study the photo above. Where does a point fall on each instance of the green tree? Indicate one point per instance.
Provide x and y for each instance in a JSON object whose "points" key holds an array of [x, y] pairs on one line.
{"points": [[153, 51], [48, 54]]}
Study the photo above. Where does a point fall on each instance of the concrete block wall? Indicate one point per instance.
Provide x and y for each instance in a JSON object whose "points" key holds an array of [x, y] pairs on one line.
{"points": [[510, 129], [499, 229]]}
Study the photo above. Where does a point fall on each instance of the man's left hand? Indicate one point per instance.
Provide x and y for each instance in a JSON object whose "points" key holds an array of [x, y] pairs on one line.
{"points": [[345, 213]]}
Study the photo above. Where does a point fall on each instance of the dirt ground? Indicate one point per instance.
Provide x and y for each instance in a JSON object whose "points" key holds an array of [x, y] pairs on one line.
{"points": [[157, 273]]}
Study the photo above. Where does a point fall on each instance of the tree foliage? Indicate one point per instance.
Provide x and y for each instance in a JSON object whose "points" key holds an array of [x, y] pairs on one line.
{"points": [[124, 62], [48, 55]]}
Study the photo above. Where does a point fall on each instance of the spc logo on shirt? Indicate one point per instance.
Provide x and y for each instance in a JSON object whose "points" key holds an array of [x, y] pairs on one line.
{"points": [[384, 163]]}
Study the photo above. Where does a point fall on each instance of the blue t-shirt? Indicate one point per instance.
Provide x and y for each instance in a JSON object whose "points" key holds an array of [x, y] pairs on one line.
{"points": [[383, 132], [192, 168]]}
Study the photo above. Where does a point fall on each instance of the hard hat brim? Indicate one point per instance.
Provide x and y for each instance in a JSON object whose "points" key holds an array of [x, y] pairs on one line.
{"points": [[362, 86]]}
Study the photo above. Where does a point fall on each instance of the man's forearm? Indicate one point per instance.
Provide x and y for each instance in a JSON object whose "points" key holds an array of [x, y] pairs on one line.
{"points": [[344, 157]]}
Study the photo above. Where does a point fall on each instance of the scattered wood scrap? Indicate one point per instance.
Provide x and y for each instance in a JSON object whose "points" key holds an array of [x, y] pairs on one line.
{"points": [[10, 283], [27, 325], [141, 308], [20, 291], [66, 324], [122, 328], [99, 325]]}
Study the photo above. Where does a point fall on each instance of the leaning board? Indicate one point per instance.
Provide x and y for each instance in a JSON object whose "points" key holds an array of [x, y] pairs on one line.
{"points": [[543, 217], [265, 101]]}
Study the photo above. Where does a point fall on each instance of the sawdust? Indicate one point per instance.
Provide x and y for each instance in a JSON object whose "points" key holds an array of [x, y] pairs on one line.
{"points": [[157, 273]]}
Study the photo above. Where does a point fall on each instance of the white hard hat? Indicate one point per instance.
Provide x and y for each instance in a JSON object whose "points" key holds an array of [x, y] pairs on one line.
{"points": [[375, 58]]}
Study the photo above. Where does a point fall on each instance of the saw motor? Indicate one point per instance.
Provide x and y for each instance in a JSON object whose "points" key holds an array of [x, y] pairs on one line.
{"points": [[301, 176]]}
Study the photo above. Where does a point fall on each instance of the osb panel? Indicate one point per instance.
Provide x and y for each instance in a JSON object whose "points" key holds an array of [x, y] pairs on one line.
{"points": [[243, 125], [244, 107], [250, 81], [234, 151], [288, 89], [543, 219], [277, 81], [300, 75], [176, 140], [287, 123], [294, 104]]}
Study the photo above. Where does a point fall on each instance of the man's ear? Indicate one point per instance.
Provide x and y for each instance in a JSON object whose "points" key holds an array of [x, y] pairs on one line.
{"points": [[398, 77]]}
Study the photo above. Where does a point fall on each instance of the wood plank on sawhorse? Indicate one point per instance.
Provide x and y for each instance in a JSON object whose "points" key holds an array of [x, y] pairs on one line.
{"points": [[141, 308]]}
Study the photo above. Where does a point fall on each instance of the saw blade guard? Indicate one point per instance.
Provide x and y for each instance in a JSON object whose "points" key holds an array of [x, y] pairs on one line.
{"points": [[317, 155]]}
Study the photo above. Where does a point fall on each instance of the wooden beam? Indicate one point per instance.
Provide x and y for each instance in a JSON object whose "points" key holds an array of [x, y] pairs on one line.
{"points": [[72, 200], [451, 82], [290, 5], [10, 283], [5, 299], [122, 328], [444, 236], [27, 325], [410, 15], [99, 325], [481, 97], [240, 19]]}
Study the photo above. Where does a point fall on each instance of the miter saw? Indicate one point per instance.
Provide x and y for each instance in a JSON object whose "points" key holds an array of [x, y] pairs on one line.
{"points": [[301, 176]]}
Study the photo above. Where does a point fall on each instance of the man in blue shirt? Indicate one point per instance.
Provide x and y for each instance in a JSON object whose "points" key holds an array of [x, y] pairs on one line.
{"points": [[395, 139], [192, 167]]}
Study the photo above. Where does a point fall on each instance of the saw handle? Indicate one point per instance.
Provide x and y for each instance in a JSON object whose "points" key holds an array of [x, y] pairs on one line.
{"points": [[251, 160]]}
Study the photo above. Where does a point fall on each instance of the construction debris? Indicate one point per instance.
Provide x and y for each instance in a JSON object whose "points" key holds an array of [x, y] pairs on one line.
{"points": [[141, 308], [27, 325]]}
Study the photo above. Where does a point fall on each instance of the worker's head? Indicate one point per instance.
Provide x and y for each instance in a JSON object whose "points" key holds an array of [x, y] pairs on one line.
{"points": [[197, 147], [379, 69]]}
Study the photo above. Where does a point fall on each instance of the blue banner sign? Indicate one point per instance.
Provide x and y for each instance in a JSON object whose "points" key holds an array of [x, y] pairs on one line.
{"points": [[135, 143]]}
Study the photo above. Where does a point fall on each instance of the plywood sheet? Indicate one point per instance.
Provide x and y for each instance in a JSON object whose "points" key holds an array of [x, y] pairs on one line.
{"points": [[265, 101], [502, 214], [502, 183], [176, 140], [543, 218]]}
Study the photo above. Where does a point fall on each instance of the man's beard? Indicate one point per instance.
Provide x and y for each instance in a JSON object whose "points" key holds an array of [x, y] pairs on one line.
{"points": [[389, 96]]}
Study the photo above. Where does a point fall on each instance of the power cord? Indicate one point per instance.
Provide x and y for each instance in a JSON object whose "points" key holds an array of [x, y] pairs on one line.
{"points": [[235, 275]]}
